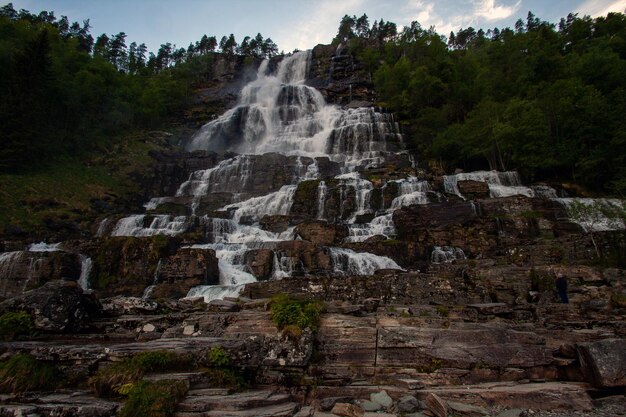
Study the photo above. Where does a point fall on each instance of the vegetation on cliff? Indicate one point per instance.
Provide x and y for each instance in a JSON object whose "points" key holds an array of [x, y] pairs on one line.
{"points": [[544, 99]]}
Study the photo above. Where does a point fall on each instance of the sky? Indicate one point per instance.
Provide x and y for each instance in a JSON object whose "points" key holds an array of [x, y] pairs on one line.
{"points": [[296, 24]]}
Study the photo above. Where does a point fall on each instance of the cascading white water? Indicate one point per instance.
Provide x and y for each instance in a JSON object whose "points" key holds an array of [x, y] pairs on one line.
{"points": [[362, 188], [411, 191], [44, 247], [349, 262], [501, 184], [446, 254], [231, 175], [321, 199], [255, 208], [232, 270], [85, 270], [595, 214], [161, 224], [284, 266], [379, 226], [279, 113]]}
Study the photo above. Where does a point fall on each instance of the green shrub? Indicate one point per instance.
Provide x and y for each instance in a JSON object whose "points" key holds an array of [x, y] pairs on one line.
{"points": [[24, 373], [618, 300], [154, 399], [291, 312], [108, 381], [225, 378], [218, 357], [443, 311], [220, 373], [114, 379], [541, 282], [16, 324]]}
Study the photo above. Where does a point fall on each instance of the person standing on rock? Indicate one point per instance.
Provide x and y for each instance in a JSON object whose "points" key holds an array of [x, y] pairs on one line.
{"points": [[561, 287]]}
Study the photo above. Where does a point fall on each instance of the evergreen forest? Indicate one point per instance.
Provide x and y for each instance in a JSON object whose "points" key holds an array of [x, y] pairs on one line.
{"points": [[546, 99]]}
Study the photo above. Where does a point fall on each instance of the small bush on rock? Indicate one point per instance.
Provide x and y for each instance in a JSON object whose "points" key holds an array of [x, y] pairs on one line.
{"points": [[114, 379], [17, 324], [220, 373], [24, 373], [287, 311], [154, 399], [218, 357]]}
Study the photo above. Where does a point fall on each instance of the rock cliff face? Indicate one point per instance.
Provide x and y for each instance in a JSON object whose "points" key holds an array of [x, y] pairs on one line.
{"points": [[438, 291]]}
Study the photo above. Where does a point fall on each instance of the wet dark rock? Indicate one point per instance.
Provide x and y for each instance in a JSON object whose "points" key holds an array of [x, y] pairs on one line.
{"points": [[275, 224], [604, 362], [260, 262], [322, 233], [56, 307], [120, 305], [22, 271], [186, 269], [473, 189]]}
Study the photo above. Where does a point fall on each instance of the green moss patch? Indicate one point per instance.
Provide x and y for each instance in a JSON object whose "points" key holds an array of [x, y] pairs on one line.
{"points": [[23, 373]]}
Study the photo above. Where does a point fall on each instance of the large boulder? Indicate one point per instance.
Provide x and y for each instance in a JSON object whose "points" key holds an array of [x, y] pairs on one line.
{"points": [[186, 269], [310, 257], [473, 189], [322, 233], [21, 271], [260, 262], [604, 362], [127, 265], [56, 307]]}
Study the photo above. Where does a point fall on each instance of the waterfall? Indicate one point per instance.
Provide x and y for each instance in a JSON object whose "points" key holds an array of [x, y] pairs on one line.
{"points": [[255, 208], [233, 274], [284, 266], [279, 113], [161, 224], [381, 225], [43, 247], [446, 254], [362, 190], [411, 191], [321, 199], [85, 271], [595, 214], [501, 184], [231, 175], [349, 262], [155, 280]]}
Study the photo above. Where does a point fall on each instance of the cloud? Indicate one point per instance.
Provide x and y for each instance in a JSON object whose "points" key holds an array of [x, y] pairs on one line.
{"points": [[318, 27], [488, 10], [425, 13], [601, 7]]}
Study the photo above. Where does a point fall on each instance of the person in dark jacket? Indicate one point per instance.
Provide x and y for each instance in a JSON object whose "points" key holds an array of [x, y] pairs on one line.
{"points": [[561, 288]]}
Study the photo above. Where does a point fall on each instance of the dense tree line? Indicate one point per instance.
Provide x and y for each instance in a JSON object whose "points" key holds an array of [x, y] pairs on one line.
{"points": [[63, 91], [548, 100]]}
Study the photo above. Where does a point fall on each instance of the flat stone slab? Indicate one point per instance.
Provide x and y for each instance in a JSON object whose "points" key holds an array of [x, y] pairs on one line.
{"points": [[489, 345], [62, 404], [548, 396], [491, 308], [281, 410], [199, 401]]}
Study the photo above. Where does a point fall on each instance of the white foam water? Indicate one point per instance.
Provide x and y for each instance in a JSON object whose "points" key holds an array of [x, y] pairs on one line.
{"points": [[446, 254], [44, 247], [279, 113], [595, 214], [161, 224], [501, 184], [349, 262]]}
